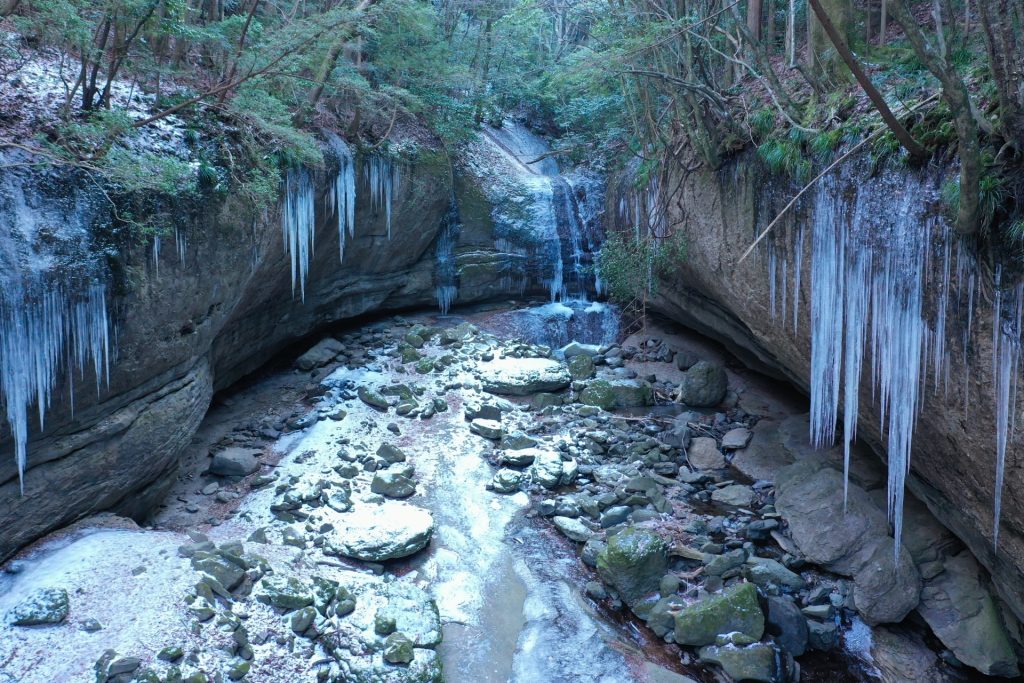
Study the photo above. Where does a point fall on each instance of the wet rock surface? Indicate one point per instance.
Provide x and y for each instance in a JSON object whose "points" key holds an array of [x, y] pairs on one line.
{"points": [[404, 523]]}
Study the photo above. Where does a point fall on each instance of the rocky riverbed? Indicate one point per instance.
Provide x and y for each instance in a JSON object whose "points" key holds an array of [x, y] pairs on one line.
{"points": [[431, 499]]}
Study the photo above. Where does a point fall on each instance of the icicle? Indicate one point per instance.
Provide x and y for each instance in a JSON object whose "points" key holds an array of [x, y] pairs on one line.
{"points": [[1006, 346], [298, 224], [797, 267], [772, 268], [342, 199], [156, 255], [826, 318], [384, 179]]}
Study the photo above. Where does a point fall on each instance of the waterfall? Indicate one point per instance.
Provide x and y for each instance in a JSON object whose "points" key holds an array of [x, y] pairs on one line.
{"points": [[445, 272], [553, 217], [298, 224]]}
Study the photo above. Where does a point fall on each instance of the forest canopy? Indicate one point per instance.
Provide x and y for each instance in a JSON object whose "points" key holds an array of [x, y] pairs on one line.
{"points": [[609, 81]]}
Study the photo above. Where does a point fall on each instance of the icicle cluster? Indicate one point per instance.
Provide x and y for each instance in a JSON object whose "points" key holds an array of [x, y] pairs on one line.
{"points": [[342, 198], [298, 224], [384, 178], [870, 272], [44, 332]]}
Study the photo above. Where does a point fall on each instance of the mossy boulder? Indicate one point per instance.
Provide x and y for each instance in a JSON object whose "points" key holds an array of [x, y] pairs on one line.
{"points": [[633, 562], [755, 662], [619, 393], [704, 385], [734, 609], [44, 606], [286, 592], [581, 366]]}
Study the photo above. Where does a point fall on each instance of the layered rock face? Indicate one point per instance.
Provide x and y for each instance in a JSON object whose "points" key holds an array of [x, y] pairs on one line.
{"points": [[226, 292], [879, 244]]}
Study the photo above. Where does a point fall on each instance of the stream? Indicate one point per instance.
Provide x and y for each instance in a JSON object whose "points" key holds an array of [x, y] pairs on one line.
{"points": [[497, 594]]}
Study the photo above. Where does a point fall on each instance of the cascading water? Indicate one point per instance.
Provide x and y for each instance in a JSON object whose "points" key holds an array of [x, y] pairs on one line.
{"points": [[552, 220], [445, 271], [873, 275], [53, 309]]}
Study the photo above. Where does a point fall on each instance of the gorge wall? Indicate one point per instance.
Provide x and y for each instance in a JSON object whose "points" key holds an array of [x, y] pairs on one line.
{"points": [[935, 357], [193, 312]]}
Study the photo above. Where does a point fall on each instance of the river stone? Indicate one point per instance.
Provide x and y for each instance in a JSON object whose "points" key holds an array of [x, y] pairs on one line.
{"points": [[524, 376], [633, 562], [573, 528], [321, 354], [519, 458], [229, 574], [704, 385], [489, 429], [581, 367], [391, 454], [703, 454], [491, 409], [392, 485], [515, 441], [752, 663], [903, 655], [234, 462], [787, 625], [286, 592], [963, 616], [734, 494], [547, 469], [425, 667], [574, 349], [735, 439], [372, 398], [506, 481], [398, 649], [809, 496], [734, 609], [764, 572], [374, 533], [44, 606]]}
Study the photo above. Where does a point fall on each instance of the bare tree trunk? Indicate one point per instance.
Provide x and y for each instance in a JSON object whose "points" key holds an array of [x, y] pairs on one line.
{"points": [[791, 34], [754, 18], [966, 119], [8, 7], [820, 57], [769, 26], [883, 27], [1002, 20], [913, 148]]}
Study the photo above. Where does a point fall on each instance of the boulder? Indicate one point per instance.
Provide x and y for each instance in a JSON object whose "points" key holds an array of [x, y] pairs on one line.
{"points": [[755, 662], [704, 385], [321, 354], [581, 367], [398, 649], [734, 609], [392, 485], [737, 495], [574, 349], [737, 438], [617, 393], [43, 606], [234, 462], [489, 429], [375, 533], [573, 528], [787, 625], [633, 562], [547, 469], [764, 572], [373, 398], [703, 454], [391, 454], [506, 480], [286, 592], [524, 376], [853, 543], [962, 614]]}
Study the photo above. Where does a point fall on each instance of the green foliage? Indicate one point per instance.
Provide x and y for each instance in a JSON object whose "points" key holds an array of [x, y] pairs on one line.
{"points": [[631, 264], [784, 157]]}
